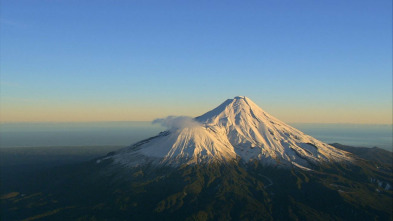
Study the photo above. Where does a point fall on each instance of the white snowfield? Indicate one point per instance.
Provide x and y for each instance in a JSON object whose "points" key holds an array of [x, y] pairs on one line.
{"points": [[237, 129]]}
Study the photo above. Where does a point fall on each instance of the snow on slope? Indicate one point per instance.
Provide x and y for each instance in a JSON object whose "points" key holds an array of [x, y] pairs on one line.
{"points": [[238, 128]]}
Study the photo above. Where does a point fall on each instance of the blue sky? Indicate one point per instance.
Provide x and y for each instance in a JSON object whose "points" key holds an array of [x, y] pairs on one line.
{"points": [[302, 61]]}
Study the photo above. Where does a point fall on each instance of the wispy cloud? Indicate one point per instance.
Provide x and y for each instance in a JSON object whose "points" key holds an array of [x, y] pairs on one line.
{"points": [[177, 122], [12, 23]]}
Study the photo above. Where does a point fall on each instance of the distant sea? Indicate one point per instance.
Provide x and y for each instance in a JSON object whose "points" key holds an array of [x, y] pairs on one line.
{"points": [[127, 133]]}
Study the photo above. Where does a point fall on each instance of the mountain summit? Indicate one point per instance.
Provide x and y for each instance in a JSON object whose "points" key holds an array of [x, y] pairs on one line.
{"points": [[236, 130]]}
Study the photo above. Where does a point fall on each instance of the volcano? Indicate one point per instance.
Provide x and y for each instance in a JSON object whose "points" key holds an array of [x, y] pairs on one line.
{"points": [[235, 162], [236, 130]]}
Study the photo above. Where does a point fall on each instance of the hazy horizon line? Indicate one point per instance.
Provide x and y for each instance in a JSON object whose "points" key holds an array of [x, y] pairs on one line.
{"points": [[140, 121]]}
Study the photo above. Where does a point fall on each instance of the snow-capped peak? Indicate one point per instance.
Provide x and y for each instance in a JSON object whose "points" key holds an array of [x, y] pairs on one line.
{"points": [[234, 109], [237, 128]]}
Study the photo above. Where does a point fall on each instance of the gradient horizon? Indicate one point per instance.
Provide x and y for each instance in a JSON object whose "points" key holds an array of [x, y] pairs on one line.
{"points": [[303, 61]]}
